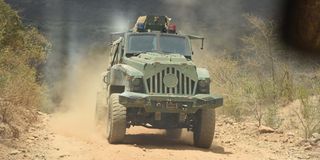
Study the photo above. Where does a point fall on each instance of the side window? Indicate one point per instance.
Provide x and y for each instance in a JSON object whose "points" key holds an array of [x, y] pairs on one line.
{"points": [[114, 54], [119, 52], [111, 53]]}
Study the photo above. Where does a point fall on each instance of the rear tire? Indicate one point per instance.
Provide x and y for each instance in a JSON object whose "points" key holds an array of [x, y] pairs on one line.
{"points": [[116, 120], [203, 131], [173, 133]]}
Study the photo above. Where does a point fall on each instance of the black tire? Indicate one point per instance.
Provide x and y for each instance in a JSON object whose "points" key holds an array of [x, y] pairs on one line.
{"points": [[101, 107], [116, 120], [203, 132], [173, 133]]}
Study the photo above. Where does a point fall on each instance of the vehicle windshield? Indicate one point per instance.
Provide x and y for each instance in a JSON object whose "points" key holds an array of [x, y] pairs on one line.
{"points": [[167, 44], [173, 44], [142, 43]]}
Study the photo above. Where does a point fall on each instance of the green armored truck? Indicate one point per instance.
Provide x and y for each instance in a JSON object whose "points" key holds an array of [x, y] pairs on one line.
{"points": [[151, 81]]}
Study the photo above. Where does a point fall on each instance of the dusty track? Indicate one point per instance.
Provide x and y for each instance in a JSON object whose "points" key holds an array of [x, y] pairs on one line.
{"points": [[71, 141]]}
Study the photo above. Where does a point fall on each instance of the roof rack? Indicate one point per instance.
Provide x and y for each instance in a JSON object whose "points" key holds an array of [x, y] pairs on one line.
{"points": [[151, 23]]}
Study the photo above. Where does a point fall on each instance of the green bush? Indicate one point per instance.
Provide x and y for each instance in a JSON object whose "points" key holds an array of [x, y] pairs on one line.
{"points": [[22, 53], [309, 112], [256, 82]]}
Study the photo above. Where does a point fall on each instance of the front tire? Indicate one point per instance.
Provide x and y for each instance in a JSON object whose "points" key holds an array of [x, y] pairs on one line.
{"points": [[204, 128], [116, 120]]}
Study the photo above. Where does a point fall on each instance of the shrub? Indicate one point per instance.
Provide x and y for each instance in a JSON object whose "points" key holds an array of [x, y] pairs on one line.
{"points": [[22, 53], [308, 113], [257, 81]]}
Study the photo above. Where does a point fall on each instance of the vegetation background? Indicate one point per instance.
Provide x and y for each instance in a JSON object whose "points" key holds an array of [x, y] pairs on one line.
{"points": [[22, 54]]}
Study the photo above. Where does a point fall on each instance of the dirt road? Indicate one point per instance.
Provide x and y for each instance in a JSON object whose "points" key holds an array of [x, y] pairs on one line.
{"points": [[67, 137]]}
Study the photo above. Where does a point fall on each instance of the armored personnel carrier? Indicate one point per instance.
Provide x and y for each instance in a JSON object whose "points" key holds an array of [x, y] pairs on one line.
{"points": [[151, 81]]}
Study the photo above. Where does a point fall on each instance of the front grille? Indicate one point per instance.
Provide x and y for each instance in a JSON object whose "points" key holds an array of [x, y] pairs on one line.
{"points": [[184, 86]]}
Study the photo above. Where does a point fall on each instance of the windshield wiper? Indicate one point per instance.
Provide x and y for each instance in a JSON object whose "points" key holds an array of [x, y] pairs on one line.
{"points": [[136, 54], [141, 52]]}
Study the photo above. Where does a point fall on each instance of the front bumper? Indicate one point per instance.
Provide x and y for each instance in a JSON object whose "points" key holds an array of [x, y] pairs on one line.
{"points": [[170, 103]]}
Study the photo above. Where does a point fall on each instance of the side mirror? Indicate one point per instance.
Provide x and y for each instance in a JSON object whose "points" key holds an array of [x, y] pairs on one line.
{"points": [[192, 37], [202, 43]]}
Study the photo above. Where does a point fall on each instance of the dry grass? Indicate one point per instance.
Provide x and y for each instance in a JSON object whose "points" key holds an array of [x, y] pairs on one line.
{"points": [[23, 51], [262, 79]]}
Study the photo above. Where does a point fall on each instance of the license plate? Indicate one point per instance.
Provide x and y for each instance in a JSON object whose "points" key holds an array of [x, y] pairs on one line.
{"points": [[172, 106]]}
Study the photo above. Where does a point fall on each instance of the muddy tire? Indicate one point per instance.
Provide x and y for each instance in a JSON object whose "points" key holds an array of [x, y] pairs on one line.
{"points": [[173, 133], [101, 108], [204, 128], [116, 120]]}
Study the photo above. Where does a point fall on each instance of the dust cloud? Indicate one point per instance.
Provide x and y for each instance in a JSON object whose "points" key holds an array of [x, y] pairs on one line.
{"points": [[75, 114], [77, 89]]}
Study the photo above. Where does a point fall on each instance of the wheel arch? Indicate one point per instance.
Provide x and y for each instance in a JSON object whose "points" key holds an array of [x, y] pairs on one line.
{"points": [[116, 89]]}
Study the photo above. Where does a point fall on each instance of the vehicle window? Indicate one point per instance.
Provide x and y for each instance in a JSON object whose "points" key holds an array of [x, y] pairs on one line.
{"points": [[142, 43], [174, 44], [114, 54]]}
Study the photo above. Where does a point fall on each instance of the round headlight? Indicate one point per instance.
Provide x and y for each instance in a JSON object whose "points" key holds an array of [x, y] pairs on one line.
{"points": [[204, 86], [203, 83], [136, 82]]}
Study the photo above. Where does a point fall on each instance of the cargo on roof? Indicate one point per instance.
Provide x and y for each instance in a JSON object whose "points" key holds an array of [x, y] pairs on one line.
{"points": [[154, 23]]}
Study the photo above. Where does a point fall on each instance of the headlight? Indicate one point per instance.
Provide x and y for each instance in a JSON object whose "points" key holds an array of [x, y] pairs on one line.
{"points": [[137, 85], [137, 82], [203, 86]]}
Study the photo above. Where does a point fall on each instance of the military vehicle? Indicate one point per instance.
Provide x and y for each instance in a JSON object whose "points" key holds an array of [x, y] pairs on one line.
{"points": [[151, 81]]}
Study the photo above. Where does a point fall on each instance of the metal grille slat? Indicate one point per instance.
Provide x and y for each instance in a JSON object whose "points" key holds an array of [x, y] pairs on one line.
{"points": [[190, 86], [185, 84], [182, 84], [151, 84], [194, 87], [154, 84], [163, 87], [148, 85], [160, 81], [179, 83], [157, 83]]}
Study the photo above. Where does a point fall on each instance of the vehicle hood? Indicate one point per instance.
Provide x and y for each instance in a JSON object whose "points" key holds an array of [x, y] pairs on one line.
{"points": [[144, 59]]}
